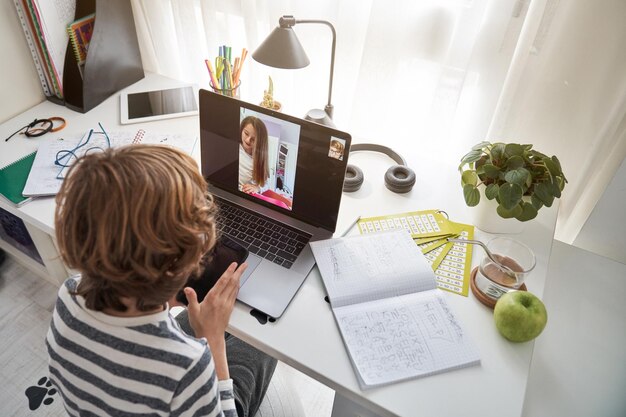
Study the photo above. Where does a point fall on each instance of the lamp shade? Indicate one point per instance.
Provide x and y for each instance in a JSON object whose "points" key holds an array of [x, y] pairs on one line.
{"points": [[281, 49]]}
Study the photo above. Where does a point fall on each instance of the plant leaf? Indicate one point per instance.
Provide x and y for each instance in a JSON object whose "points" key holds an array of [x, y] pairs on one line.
{"points": [[510, 195], [469, 177], [497, 151], [509, 214], [552, 167], [491, 171], [517, 176], [491, 191], [544, 193], [536, 202], [529, 212], [471, 156], [471, 195], [515, 162], [512, 149], [480, 146], [554, 187]]}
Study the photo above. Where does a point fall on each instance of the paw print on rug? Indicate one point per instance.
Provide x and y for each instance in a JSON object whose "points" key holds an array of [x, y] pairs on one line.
{"points": [[40, 393]]}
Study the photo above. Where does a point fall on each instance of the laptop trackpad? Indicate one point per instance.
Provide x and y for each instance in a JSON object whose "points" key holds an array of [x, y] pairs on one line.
{"points": [[270, 289], [253, 261]]}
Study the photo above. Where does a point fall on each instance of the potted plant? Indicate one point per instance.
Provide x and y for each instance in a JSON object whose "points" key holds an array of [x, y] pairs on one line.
{"points": [[518, 178], [268, 98]]}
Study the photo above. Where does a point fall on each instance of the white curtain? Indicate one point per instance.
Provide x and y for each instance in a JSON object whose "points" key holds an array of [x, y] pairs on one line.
{"points": [[441, 72], [566, 93], [423, 56]]}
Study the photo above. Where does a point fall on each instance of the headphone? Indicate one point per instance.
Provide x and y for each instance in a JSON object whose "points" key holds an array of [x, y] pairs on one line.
{"points": [[399, 178]]}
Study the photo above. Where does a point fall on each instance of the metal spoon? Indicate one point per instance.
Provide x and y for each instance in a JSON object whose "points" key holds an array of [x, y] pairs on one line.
{"points": [[488, 252]]}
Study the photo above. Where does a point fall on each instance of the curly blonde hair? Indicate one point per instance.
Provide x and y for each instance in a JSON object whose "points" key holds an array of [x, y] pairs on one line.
{"points": [[136, 222]]}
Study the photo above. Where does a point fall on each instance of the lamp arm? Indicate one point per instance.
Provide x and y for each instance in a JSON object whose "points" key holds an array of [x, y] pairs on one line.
{"points": [[291, 22]]}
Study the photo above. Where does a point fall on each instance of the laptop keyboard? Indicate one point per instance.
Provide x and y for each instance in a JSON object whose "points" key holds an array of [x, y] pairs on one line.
{"points": [[261, 235]]}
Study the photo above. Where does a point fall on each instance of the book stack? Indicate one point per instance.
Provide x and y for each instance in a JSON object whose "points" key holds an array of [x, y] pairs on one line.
{"points": [[58, 34], [44, 24]]}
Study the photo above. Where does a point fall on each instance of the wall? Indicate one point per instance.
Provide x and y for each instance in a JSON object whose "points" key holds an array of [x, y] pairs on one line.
{"points": [[19, 85]]}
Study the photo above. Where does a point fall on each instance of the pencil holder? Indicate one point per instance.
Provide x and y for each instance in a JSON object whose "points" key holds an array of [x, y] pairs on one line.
{"points": [[230, 92]]}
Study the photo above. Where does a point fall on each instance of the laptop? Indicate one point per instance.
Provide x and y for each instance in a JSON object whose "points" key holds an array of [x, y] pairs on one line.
{"points": [[278, 181]]}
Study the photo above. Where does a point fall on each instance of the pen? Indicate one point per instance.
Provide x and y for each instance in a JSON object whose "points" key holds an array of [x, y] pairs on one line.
{"points": [[351, 226]]}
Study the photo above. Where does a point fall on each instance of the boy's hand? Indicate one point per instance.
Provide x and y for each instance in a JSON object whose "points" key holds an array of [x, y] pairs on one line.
{"points": [[250, 188], [210, 317]]}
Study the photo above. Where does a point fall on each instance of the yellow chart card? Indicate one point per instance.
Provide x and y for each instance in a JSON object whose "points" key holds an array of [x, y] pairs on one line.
{"points": [[453, 270], [433, 244], [424, 240], [421, 224]]}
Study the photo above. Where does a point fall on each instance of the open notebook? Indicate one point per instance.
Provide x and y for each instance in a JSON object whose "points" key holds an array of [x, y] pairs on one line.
{"points": [[394, 321]]}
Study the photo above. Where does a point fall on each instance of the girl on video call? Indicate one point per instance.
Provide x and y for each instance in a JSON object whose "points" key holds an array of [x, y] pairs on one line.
{"points": [[253, 158]]}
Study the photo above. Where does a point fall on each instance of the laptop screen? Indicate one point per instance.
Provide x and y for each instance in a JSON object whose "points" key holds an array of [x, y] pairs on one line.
{"points": [[291, 165]]}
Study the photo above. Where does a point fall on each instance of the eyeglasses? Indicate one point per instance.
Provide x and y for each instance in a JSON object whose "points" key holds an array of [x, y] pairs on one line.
{"points": [[39, 127], [66, 157]]}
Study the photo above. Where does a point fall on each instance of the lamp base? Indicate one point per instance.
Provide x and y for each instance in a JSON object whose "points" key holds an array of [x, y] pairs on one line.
{"points": [[319, 116]]}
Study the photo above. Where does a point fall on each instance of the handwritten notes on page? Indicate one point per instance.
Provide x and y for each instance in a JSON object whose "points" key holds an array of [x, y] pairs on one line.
{"points": [[394, 321], [404, 337], [430, 230], [367, 267], [43, 179]]}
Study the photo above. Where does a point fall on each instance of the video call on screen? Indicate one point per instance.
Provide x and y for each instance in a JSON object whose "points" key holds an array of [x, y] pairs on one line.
{"points": [[280, 163]]}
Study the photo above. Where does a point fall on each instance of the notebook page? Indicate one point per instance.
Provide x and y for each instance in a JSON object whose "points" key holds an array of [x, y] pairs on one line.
{"points": [[404, 337], [184, 142], [368, 267], [43, 179]]}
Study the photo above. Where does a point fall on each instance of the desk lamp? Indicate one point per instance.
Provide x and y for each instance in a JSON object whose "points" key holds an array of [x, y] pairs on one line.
{"points": [[282, 49]]}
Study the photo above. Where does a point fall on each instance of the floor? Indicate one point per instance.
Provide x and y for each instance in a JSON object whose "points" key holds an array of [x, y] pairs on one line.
{"points": [[26, 304]]}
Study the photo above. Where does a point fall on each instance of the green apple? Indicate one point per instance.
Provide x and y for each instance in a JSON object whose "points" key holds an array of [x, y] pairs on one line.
{"points": [[520, 316]]}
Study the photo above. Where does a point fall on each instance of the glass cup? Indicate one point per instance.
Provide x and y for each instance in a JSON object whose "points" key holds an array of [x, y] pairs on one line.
{"points": [[515, 260], [230, 92]]}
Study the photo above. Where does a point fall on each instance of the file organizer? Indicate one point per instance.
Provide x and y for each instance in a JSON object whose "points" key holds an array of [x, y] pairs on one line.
{"points": [[113, 58]]}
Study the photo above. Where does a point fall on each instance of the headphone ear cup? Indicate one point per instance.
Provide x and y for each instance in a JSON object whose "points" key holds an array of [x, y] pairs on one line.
{"points": [[400, 179], [353, 180]]}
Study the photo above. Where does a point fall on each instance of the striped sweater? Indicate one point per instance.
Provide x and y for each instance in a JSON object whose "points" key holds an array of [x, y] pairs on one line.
{"points": [[131, 366]]}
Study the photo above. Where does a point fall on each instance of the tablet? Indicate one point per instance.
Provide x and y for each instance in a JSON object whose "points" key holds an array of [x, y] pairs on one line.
{"points": [[148, 106]]}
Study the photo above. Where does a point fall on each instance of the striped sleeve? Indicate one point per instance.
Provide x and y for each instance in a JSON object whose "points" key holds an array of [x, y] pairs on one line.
{"points": [[199, 393], [132, 367]]}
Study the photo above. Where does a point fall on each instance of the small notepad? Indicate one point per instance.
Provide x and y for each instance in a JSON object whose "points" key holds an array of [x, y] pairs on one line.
{"points": [[13, 178], [394, 321]]}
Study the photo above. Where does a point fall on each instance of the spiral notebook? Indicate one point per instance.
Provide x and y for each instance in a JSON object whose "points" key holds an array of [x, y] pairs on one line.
{"points": [[395, 323], [80, 35], [13, 178]]}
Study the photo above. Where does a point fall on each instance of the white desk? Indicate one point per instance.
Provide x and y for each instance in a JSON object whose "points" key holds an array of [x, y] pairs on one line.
{"points": [[306, 337], [38, 215], [579, 364]]}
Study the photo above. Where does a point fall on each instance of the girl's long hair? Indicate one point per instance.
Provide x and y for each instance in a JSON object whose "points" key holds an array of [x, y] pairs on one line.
{"points": [[260, 168]]}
